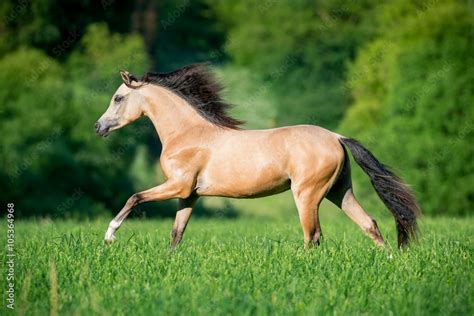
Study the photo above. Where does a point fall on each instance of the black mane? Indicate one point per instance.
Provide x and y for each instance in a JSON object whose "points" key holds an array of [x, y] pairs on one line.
{"points": [[199, 88]]}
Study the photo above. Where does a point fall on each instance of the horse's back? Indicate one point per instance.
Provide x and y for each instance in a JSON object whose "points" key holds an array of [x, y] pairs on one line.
{"points": [[249, 163]]}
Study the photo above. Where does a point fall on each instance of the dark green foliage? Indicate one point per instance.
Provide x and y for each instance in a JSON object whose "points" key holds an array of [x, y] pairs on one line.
{"points": [[56, 26], [397, 73], [187, 33], [53, 163], [414, 103], [300, 49]]}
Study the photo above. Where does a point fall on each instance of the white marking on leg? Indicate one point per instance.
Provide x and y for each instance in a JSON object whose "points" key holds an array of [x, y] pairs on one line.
{"points": [[115, 224], [110, 234]]}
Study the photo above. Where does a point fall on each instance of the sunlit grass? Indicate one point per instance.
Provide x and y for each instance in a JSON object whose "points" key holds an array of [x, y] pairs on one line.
{"points": [[244, 266]]}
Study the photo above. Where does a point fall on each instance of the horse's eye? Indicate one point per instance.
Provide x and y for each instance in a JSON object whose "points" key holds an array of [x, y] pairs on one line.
{"points": [[118, 98]]}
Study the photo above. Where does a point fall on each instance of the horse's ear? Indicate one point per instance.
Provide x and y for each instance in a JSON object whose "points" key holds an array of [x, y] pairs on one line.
{"points": [[125, 76], [129, 79]]}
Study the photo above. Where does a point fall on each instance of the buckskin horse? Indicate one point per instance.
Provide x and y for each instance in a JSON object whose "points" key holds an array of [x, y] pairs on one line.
{"points": [[206, 153]]}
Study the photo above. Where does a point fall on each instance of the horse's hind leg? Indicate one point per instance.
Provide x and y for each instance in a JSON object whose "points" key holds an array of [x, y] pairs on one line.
{"points": [[185, 208], [341, 194], [354, 210], [308, 199]]}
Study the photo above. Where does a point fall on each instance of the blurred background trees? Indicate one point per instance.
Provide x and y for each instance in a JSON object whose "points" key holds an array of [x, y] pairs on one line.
{"points": [[413, 100], [397, 75]]}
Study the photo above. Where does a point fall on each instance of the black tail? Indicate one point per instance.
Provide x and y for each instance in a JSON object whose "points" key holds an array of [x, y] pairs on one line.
{"points": [[396, 195]]}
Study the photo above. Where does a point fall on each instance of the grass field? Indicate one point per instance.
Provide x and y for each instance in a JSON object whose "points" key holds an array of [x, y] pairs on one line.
{"points": [[245, 266]]}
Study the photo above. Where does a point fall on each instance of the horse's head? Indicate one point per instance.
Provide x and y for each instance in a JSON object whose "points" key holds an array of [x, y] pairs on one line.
{"points": [[125, 107]]}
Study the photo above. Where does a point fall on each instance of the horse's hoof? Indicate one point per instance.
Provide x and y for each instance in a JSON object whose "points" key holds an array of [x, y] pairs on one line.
{"points": [[109, 240]]}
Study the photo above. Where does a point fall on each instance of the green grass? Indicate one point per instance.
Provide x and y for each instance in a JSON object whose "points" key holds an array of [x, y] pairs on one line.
{"points": [[245, 266]]}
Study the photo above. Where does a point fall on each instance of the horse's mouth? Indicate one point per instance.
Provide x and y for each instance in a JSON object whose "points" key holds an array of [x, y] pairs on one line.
{"points": [[104, 131]]}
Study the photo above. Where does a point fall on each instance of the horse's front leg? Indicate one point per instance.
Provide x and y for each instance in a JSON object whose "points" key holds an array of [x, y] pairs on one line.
{"points": [[185, 208], [168, 190]]}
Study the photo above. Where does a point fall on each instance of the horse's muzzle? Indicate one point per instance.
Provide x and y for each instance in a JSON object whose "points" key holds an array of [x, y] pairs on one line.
{"points": [[101, 129]]}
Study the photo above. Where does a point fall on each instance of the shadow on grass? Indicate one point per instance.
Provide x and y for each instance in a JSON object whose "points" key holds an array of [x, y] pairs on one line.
{"points": [[166, 209]]}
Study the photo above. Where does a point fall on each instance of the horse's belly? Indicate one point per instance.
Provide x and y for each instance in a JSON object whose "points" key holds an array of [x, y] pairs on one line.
{"points": [[242, 181], [238, 191]]}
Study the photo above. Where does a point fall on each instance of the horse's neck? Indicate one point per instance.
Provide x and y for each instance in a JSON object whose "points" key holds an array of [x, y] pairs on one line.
{"points": [[171, 116]]}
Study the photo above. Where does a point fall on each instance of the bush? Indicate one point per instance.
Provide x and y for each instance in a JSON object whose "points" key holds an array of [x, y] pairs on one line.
{"points": [[300, 50], [413, 103], [53, 163]]}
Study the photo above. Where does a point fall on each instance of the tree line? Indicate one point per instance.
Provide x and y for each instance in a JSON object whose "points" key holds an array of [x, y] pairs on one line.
{"points": [[396, 75]]}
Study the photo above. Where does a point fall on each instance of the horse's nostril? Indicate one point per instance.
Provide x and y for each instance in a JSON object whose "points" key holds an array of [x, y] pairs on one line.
{"points": [[97, 126]]}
